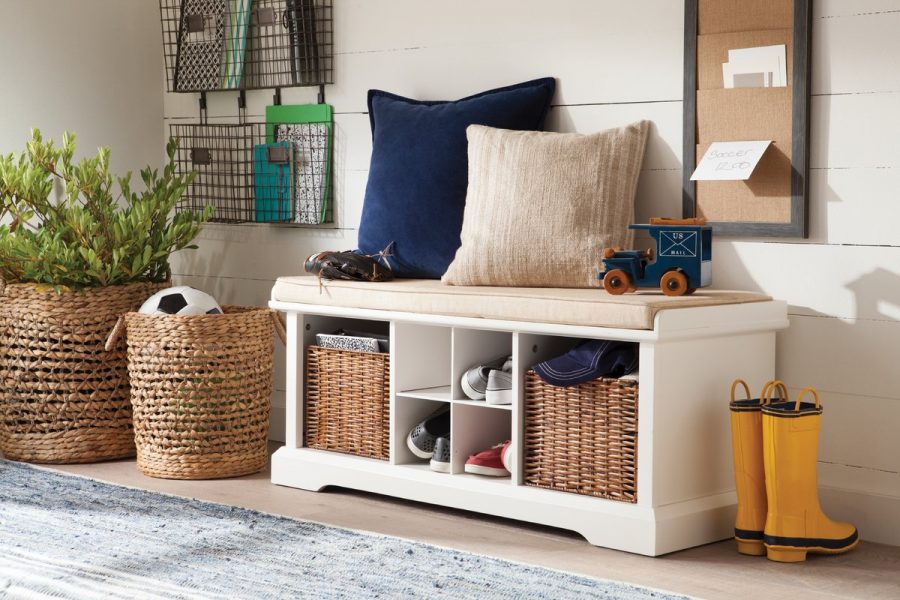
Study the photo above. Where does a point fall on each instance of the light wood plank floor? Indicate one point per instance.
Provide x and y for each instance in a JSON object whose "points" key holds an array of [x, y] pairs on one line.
{"points": [[715, 571]]}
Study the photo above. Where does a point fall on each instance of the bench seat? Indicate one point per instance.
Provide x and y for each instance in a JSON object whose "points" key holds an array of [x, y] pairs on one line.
{"points": [[585, 307]]}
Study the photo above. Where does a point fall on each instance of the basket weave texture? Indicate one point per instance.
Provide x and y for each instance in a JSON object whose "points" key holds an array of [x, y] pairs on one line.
{"points": [[63, 397], [348, 401], [583, 438], [201, 389]]}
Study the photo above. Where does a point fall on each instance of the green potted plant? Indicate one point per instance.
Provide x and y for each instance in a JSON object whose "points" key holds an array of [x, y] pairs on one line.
{"points": [[79, 247]]}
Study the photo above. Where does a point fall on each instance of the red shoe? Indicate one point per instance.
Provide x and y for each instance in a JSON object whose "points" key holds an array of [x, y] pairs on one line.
{"points": [[488, 462], [507, 455]]}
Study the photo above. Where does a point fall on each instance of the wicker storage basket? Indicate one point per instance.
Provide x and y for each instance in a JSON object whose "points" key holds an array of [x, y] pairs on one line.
{"points": [[63, 398], [348, 401], [582, 439], [201, 389]]}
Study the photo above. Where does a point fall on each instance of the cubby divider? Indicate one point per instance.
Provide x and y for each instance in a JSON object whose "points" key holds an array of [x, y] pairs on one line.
{"points": [[482, 404]]}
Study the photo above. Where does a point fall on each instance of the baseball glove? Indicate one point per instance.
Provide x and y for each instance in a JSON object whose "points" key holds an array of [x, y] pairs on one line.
{"points": [[349, 266]]}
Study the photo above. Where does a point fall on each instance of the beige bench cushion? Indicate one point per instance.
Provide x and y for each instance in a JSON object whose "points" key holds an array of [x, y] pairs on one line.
{"points": [[587, 307]]}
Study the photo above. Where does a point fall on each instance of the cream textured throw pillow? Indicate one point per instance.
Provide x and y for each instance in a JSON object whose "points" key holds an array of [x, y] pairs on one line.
{"points": [[541, 207]]}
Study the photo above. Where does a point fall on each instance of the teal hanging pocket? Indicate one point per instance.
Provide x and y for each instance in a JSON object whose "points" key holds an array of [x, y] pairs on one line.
{"points": [[272, 180]]}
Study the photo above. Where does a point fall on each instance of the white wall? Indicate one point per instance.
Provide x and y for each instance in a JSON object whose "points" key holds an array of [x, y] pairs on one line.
{"points": [[92, 67], [621, 61]]}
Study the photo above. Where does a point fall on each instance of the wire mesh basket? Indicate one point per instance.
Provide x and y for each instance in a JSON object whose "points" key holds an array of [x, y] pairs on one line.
{"points": [[246, 44], [222, 157], [248, 175]]}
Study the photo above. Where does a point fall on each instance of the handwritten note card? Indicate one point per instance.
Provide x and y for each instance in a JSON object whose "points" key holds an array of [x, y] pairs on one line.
{"points": [[730, 161]]}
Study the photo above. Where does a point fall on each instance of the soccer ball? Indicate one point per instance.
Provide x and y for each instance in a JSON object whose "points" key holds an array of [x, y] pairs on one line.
{"points": [[182, 301]]}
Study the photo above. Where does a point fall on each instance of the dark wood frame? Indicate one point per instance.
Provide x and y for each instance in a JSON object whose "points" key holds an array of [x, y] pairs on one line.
{"points": [[799, 224]]}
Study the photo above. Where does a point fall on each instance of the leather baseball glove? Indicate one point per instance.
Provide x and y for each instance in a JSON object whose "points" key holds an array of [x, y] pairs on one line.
{"points": [[349, 266]]}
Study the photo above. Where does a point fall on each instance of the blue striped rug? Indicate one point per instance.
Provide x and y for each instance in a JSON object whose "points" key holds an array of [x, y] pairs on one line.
{"points": [[68, 537]]}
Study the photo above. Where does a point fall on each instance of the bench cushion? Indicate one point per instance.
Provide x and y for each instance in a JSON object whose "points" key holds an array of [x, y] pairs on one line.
{"points": [[586, 307]]}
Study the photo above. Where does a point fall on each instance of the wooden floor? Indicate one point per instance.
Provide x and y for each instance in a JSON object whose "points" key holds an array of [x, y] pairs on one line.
{"points": [[872, 571]]}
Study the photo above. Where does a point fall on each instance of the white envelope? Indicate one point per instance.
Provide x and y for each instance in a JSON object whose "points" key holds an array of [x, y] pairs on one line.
{"points": [[749, 56], [761, 72]]}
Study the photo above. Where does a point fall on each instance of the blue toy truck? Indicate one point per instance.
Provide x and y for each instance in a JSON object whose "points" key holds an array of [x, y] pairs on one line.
{"points": [[680, 263]]}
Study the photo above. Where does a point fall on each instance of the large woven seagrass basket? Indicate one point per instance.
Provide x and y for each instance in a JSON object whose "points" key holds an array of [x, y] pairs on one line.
{"points": [[63, 397], [201, 390]]}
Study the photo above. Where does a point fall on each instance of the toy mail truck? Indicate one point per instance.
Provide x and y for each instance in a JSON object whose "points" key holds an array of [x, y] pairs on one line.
{"points": [[680, 262]]}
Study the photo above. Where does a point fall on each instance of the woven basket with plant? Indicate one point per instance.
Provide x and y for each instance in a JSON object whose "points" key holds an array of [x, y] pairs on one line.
{"points": [[78, 249]]}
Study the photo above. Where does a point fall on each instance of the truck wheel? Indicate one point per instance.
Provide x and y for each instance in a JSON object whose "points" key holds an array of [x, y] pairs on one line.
{"points": [[673, 283], [616, 282]]}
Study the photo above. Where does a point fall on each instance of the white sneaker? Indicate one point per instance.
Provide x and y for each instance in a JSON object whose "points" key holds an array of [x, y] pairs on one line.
{"points": [[499, 385], [474, 381]]}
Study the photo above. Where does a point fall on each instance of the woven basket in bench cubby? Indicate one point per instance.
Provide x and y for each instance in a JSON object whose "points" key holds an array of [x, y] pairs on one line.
{"points": [[201, 390], [348, 401], [582, 439]]}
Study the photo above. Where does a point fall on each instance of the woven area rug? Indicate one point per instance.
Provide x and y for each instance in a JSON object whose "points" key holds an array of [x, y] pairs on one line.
{"points": [[63, 536]]}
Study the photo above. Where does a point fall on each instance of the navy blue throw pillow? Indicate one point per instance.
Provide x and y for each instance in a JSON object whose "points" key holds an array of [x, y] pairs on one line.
{"points": [[416, 192]]}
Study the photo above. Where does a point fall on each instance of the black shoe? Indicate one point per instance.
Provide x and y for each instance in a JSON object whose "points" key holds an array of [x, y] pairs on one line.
{"points": [[440, 462], [422, 438]]}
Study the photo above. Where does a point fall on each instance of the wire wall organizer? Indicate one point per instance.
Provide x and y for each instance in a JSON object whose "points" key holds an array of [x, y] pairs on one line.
{"points": [[273, 172], [247, 44], [222, 159], [248, 176]]}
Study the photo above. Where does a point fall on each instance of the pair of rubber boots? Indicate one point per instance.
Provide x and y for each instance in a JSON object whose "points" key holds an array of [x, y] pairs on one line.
{"points": [[775, 443]]}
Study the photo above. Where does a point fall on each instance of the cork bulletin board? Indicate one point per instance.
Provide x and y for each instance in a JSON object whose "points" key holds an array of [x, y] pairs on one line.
{"points": [[773, 201]]}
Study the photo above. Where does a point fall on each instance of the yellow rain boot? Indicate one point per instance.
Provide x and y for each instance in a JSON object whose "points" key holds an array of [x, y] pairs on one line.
{"points": [[795, 523], [749, 474]]}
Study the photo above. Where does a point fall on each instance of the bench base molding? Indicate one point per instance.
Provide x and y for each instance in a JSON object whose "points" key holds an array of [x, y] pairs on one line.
{"points": [[607, 523]]}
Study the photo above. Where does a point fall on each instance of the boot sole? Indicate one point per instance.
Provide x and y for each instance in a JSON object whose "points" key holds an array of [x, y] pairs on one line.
{"points": [[749, 542], [788, 554], [751, 547]]}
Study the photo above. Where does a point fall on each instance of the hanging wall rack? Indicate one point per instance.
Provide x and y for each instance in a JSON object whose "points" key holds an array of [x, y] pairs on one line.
{"points": [[275, 171], [220, 45]]}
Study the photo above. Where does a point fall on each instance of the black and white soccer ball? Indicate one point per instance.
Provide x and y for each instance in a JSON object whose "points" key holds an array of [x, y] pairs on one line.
{"points": [[181, 300]]}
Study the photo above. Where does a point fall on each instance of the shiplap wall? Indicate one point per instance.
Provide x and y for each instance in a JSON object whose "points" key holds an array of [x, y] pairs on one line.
{"points": [[617, 62]]}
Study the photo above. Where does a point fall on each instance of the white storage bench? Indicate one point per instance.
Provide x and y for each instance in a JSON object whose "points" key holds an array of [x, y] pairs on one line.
{"points": [[691, 349]]}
